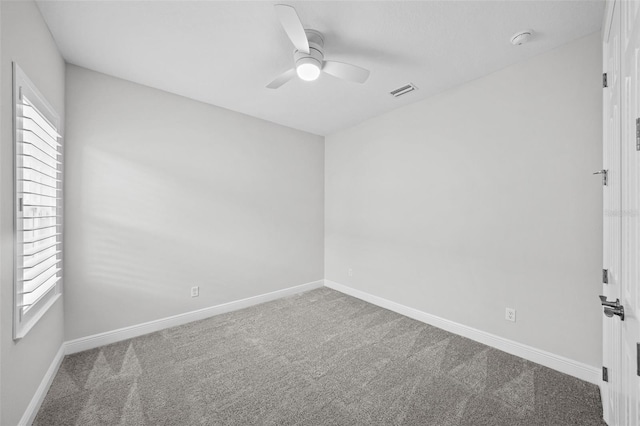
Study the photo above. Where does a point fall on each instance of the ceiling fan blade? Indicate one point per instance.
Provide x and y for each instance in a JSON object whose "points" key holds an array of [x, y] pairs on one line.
{"points": [[282, 79], [293, 27], [346, 71]]}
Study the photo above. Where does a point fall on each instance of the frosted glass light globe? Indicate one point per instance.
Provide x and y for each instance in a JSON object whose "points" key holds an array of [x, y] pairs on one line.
{"points": [[308, 71]]}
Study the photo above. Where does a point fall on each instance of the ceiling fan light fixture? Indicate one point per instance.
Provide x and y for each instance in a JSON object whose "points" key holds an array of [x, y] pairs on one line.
{"points": [[308, 69], [308, 56]]}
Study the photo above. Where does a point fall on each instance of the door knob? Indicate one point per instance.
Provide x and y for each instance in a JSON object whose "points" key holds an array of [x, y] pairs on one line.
{"points": [[604, 174], [612, 308]]}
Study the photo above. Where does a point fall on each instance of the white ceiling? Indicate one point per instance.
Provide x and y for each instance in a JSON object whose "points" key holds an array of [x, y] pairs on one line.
{"points": [[226, 52]]}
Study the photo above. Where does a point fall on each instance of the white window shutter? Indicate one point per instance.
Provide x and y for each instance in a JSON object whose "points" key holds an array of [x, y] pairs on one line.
{"points": [[38, 214]]}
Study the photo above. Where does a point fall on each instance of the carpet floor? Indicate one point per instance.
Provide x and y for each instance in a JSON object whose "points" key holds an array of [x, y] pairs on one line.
{"points": [[318, 358]]}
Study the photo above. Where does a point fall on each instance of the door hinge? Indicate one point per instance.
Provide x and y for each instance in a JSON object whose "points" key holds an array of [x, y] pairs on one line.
{"points": [[604, 174], [604, 80], [605, 276], [637, 134], [638, 359], [605, 374]]}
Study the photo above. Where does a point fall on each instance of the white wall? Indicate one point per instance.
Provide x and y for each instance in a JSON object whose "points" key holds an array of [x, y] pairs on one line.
{"points": [[164, 193], [26, 40], [481, 198]]}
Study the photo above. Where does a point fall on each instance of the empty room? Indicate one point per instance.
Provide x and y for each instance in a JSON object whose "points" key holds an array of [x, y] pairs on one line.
{"points": [[320, 212]]}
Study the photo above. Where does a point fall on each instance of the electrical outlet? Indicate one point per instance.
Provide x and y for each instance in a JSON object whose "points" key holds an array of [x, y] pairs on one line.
{"points": [[510, 314], [350, 272], [195, 291]]}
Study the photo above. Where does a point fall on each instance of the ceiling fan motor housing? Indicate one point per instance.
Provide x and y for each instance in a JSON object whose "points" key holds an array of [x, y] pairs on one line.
{"points": [[316, 50]]}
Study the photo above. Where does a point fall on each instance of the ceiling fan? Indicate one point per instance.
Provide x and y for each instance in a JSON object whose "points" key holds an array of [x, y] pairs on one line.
{"points": [[308, 58]]}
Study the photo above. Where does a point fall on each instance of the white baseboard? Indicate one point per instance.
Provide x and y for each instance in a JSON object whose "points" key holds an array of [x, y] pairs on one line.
{"points": [[556, 362], [101, 339], [32, 409]]}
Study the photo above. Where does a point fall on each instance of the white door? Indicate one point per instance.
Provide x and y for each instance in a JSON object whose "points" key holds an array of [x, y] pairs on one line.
{"points": [[611, 327], [630, 185], [621, 395]]}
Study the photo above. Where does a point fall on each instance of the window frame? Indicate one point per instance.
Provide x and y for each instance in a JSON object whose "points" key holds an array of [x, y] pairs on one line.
{"points": [[23, 322]]}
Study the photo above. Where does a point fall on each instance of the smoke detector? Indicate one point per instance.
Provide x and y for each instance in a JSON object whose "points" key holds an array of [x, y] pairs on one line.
{"points": [[521, 37]]}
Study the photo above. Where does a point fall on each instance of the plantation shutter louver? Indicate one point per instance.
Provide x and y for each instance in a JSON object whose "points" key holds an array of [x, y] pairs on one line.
{"points": [[38, 189]]}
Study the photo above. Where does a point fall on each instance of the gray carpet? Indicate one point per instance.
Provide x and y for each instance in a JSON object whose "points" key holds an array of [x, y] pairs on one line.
{"points": [[319, 358]]}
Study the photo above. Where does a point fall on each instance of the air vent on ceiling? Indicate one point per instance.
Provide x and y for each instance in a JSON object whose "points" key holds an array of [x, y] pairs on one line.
{"points": [[403, 90]]}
